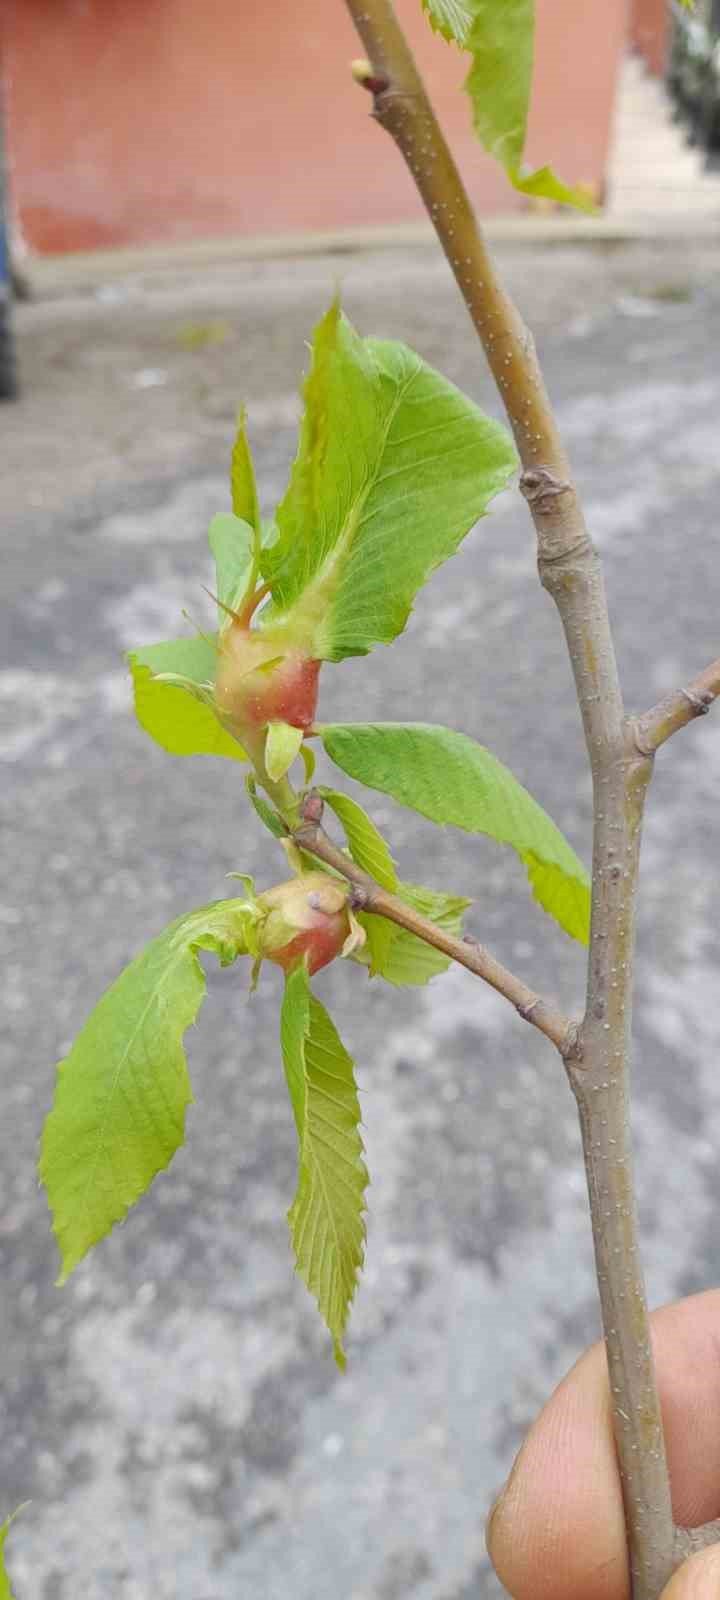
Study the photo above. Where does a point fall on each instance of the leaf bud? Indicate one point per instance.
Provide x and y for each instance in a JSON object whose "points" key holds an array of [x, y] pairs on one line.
{"points": [[307, 918], [263, 677]]}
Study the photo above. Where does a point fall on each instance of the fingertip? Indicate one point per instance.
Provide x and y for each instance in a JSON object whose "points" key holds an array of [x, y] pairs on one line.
{"points": [[697, 1579], [557, 1529]]}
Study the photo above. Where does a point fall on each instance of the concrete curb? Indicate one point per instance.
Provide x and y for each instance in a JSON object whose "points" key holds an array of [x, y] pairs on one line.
{"points": [[49, 277]]}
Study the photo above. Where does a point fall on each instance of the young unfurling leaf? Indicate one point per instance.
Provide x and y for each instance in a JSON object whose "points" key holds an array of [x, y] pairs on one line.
{"points": [[231, 541], [394, 467], [327, 1215], [268, 817], [367, 846], [282, 745], [243, 487], [369, 850]]}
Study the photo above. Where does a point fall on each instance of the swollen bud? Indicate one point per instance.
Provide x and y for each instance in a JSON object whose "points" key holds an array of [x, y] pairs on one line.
{"points": [[309, 917], [261, 678]]}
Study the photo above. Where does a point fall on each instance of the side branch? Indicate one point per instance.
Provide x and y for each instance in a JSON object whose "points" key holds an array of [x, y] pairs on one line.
{"points": [[677, 709], [368, 896]]}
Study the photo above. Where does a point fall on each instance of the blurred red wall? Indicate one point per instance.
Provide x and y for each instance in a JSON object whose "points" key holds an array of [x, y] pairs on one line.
{"points": [[132, 121], [650, 30]]}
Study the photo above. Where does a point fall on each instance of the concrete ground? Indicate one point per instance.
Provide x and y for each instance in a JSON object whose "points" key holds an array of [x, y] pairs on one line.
{"points": [[174, 1414]]}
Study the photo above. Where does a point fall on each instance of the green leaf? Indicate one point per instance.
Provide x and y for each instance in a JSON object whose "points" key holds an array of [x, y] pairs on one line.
{"points": [[394, 467], [231, 542], [409, 961], [500, 37], [544, 183], [326, 1216], [367, 846], [282, 745], [242, 478], [121, 1095], [451, 18], [501, 42], [268, 817], [179, 716], [450, 779], [5, 1590]]}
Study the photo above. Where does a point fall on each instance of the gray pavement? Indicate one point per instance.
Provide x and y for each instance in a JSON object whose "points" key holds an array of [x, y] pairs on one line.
{"points": [[174, 1414]]}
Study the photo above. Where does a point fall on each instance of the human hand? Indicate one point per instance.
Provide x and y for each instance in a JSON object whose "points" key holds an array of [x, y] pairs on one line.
{"points": [[557, 1531]]}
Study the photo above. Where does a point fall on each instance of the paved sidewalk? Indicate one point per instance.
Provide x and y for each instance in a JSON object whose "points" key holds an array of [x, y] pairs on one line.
{"points": [[655, 175]]}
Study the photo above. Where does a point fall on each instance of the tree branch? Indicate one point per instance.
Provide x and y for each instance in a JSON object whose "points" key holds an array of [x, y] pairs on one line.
{"points": [[677, 709], [570, 571], [401, 106], [370, 897]]}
